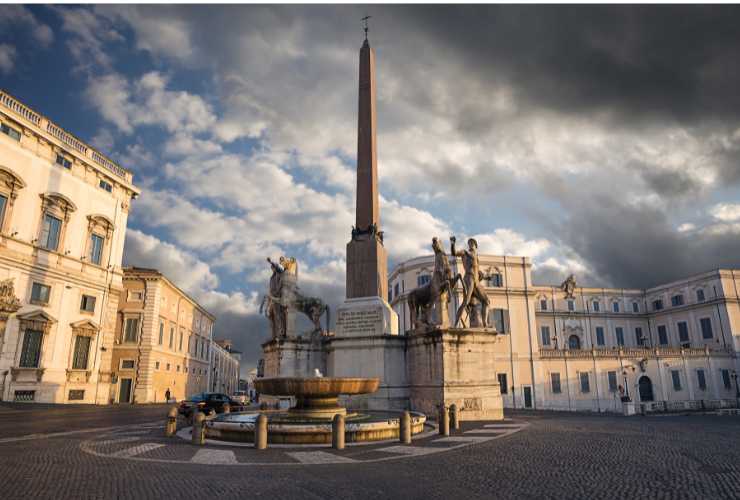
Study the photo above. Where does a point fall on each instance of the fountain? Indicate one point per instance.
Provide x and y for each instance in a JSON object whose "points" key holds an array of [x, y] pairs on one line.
{"points": [[309, 421]]}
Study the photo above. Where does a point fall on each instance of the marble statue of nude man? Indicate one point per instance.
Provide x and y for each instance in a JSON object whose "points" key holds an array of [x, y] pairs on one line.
{"points": [[473, 286]]}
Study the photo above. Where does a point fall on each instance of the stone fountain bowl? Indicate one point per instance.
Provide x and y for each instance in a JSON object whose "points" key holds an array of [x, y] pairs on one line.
{"points": [[316, 387], [316, 397]]}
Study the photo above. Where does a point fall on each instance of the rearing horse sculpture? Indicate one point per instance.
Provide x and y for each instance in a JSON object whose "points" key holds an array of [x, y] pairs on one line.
{"points": [[421, 300]]}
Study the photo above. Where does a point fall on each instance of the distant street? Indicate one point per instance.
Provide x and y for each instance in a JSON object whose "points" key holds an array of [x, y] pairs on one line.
{"points": [[553, 455]]}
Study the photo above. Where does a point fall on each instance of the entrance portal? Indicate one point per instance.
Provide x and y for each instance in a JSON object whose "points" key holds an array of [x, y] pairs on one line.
{"points": [[124, 394], [646, 388]]}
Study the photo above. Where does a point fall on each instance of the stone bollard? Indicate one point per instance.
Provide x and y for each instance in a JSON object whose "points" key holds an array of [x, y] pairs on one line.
{"points": [[404, 431], [198, 434], [444, 421], [337, 432], [170, 428], [454, 420], [260, 432], [227, 408]]}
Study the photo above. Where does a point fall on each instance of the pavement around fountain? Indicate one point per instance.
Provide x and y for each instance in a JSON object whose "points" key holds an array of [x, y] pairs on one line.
{"points": [[557, 455], [148, 444]]}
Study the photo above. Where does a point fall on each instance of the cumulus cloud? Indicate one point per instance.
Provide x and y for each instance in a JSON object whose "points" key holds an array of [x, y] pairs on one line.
{"points": [[19, 16], [7, 57], [726, 212]]}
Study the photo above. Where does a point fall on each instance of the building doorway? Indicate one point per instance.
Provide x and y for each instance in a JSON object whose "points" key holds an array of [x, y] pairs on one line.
{"points": [[646, 388], [527, 396], [124, 392]]}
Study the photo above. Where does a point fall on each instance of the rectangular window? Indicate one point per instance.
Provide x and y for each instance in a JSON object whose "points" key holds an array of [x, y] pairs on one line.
{"points": [[498, 320], [657, 305], [701, 379], [423, 279], [571, 305], [545, 335], [3, 204], [161, 332], [10, 132], [81, 352], [663, 335], [620, 335], [395, 290], [639, 338], [596, 306], [503, 384], [683, 332], [677, 300], [495, 281], [600, 335], [87, 303], [107, 186], [706, 328], [131, 333], [555, 383], [615, 307], [50, 231], [31, 349], [543, 305], [168, 367], [135, 296], [172, 337], [179, 344], [96, 248], [585, 387], [700, 295], [635, 307], [156, 365], [40, 293], [63, 162], [24, 396], [726, 379], [127, 364], [76, 395], [676, 377], [612, 376]]}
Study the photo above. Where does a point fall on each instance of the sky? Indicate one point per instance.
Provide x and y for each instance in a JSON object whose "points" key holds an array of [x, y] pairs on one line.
{"points": [[602, 141]]}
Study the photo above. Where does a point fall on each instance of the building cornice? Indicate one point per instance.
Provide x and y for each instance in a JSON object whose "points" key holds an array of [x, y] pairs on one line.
{"points": [[50, 132]]}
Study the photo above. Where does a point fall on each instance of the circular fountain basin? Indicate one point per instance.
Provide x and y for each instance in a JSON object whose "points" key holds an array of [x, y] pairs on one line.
{"points": [[285, 427], [316, 397]]}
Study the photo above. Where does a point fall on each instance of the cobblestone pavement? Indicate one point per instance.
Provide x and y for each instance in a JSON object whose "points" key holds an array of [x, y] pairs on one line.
{"points": [[558, 455]]}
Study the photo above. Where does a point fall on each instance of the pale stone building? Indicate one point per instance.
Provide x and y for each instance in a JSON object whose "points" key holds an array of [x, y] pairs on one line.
{"points": [[224, 367], [63, 214], [162, 342], [673, 346]]}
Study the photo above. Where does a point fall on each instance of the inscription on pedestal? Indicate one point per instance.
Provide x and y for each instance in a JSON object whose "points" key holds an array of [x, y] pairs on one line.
{"points": [[360, 322]]}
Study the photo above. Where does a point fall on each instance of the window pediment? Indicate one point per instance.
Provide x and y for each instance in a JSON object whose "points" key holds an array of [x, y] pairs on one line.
{"points": [[38, 319], [85, 327], [99, 221], [10, 179], [57, 202]]}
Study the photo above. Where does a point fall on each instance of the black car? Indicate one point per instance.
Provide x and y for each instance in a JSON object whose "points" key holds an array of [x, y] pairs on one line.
{"points": [[207, 401]]}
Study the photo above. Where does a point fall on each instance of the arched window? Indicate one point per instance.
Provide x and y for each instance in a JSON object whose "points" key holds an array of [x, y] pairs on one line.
{"points": [[574, 342], [10, 184]]}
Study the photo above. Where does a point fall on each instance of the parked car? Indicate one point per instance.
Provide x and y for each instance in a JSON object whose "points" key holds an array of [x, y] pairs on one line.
{"points": [[240, 396], [207, 401]]}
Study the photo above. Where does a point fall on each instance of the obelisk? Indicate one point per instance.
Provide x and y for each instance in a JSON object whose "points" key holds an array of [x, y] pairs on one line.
{"points": [[367, 271]]}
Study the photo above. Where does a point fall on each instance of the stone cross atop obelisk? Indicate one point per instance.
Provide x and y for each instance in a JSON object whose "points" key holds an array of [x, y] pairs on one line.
{"points": [[367, 273]]}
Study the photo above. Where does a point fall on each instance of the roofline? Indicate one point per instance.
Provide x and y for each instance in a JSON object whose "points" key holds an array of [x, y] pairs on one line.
{"points": [[35, 118], [131, 270]]}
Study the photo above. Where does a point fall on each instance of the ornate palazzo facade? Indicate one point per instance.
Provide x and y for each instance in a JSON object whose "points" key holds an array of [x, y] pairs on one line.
{"points": [[566, 347], [63, 214]]}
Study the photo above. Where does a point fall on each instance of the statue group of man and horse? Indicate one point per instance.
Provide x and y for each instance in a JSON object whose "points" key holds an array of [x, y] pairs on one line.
{"points": [[436, 293], [283, 295]]}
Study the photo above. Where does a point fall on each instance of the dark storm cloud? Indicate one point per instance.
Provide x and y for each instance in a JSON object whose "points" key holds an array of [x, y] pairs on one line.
{"points": [[676, 62], [636, 245]]}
